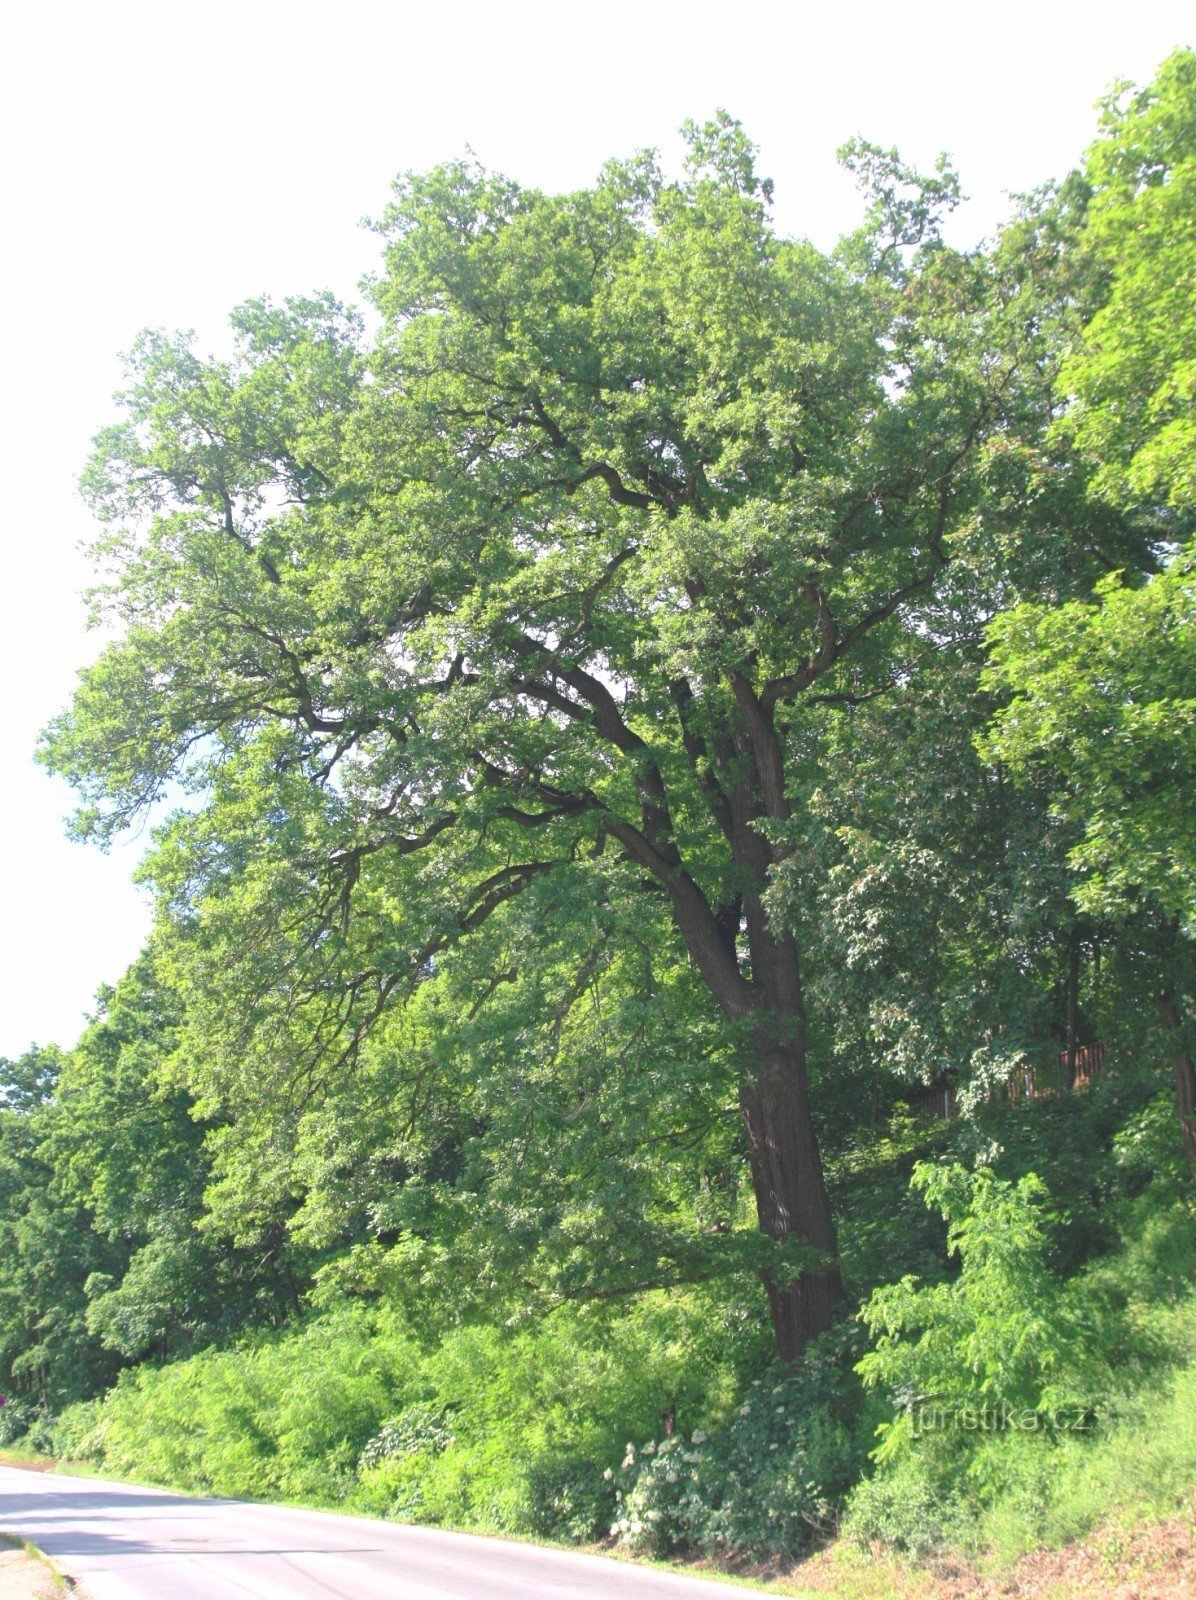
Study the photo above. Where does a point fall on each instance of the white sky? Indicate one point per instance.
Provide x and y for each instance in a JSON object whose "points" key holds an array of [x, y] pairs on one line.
{"points": [[164, 161]]}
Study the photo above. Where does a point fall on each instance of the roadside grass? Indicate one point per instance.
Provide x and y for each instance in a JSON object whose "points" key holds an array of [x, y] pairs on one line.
{"points": [[1012, 1514], [35, 1461]]}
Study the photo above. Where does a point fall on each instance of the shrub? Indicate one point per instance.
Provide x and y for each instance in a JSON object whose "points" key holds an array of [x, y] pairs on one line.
{"points": [[286, 1418], [1012, 1389], [422, 1426], [492, 1429], [1003, 1333], [570, 1498], [537, 1413], [770, 1481], [78, 1432], [16, 1418]]}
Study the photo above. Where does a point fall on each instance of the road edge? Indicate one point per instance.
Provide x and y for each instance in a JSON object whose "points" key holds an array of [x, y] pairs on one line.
{"points": [[63, 1583]]}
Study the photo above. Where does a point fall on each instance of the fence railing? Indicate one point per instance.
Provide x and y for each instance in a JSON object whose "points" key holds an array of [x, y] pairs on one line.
{"points": [[1080, 1072]]}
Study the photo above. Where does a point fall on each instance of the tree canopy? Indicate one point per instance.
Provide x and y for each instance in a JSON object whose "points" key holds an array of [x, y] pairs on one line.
{"points": [[556, 587], [656, 736]]}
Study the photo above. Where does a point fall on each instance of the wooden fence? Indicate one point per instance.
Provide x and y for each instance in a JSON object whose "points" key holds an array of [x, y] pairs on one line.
{"points": [[1027, 1083]]}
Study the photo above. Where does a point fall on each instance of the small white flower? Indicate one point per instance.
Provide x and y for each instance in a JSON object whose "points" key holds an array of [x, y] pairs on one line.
{"points": [[698, 1437], [608, 1474]]}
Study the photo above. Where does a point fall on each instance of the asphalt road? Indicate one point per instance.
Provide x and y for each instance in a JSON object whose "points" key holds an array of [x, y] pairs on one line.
{"points": [[121, 1542]]}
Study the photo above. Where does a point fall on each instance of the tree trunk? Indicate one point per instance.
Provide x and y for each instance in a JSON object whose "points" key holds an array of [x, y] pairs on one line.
{"points": [[766, 993], [1185, 1073], [791, 1197]]}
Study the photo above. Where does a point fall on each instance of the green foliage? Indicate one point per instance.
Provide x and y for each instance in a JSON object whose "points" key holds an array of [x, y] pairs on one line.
{"points": [[769, 1481], [537, 1415], [21, 1419], [490, 1429], [573, 1138], [597, 690], [422, 1426], [1132, 373], [1001, 1335], [568, 1499], [103, 1171], [1037, 1489], [1099, 694], [1103, 694], [1073, 1144], [549, 592], [48, 1250], [522, 1431], [891, 1231], [286, 1418], [1017, 1395]]}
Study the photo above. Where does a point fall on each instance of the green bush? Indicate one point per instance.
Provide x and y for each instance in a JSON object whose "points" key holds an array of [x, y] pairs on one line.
{"points": [[20, 1419], [570, 1498], [538, 1413], [1021, 1403], [422, 1426], [767, 1483], [492, 1429], [1002, 1334], [78, 1432], [286, 1418]]}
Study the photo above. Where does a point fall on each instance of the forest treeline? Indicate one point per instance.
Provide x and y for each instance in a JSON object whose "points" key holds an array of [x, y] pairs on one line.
{"points": [[629, 714]]}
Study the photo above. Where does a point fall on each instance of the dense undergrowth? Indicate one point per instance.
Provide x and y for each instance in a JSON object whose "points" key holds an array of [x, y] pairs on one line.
{"points": [[991, 1403]]}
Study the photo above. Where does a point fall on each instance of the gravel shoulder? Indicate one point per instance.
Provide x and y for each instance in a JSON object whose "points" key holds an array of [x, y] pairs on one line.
{"points": [[24, 1577]]}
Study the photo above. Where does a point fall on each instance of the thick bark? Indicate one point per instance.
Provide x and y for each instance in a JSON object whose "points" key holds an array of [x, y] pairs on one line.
{"points": [[791, 1197], [1185, 1073], [786, 1166]]}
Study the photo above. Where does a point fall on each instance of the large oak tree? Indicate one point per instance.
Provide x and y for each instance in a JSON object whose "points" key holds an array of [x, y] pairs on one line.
{"points": [[555, 567]]}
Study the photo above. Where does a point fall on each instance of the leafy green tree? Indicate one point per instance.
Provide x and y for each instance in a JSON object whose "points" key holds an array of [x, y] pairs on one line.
{"points": [[935, 893], [1103, 696], [1101, 692], [1131, 380], [1104, 693], [553, 1118], [48, 1250], [103, 1178], [123, 1145], [552, 575]]}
